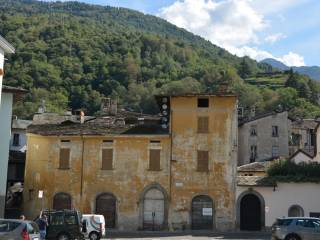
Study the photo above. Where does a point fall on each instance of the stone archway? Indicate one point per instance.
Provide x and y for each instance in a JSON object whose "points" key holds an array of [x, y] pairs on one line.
{"points": [[154, 208], [250, 211], [106, 205], [202, 212], [61, 201], [295, 211]]}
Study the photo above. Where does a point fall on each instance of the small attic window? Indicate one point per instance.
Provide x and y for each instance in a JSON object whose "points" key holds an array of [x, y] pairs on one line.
{"points": [[65, 141], [108, 141], [203, 102]]}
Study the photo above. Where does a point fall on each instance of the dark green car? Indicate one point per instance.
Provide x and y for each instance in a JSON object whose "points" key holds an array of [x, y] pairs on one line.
{"points": [[64, 224]]}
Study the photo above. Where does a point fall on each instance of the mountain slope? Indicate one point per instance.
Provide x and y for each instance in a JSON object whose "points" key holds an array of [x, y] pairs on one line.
{"points": [[275, 63], [311, 71], [72, 55]]}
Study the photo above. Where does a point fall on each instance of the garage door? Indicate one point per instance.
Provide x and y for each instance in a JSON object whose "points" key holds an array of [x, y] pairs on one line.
{"points": [[153, 210]]}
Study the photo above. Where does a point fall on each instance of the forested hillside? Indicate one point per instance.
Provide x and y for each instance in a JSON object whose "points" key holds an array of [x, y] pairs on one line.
{"points": [[72, 55]]}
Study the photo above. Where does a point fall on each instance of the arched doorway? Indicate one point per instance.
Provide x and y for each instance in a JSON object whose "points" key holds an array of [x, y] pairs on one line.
{"points": [[61, 201], [250, 213], [106, 206], [202, 212], [153, 210], [295, 211]]}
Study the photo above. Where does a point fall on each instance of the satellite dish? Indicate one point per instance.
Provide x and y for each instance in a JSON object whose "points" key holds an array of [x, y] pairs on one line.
{"points": [[164, 113], [164, 126], [164, 100], [164, 106]]}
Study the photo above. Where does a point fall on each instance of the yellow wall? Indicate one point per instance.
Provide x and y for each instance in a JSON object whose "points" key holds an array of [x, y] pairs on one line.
{"points": [[219, 181], [180, 181], [126, 182]]}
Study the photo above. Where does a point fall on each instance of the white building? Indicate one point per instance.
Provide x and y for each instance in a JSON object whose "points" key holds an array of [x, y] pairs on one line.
{"points": [[260, 201], [18, 140], [6, 99]]}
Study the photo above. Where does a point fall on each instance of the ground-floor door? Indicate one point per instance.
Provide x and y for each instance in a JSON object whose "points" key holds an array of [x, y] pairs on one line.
{"points": [[153, 210], [250, 213], [106, 206], [202, 212]]}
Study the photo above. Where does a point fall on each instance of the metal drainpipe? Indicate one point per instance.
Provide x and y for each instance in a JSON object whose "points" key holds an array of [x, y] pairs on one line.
{"points": [[82, 168]]}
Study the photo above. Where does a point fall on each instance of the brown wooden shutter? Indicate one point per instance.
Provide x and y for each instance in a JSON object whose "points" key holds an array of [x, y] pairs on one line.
{"points": [[203, 161], [203, 124], [154, 163], [64, 158], [107, 159]]}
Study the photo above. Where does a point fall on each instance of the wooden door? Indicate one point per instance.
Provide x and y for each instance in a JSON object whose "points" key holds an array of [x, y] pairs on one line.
{"points": [[106, 206]]}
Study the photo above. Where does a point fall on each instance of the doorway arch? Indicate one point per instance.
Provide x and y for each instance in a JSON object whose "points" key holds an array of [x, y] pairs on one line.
{"points": [[202, 212], [295, 211], [250, 211], [106, 206], [154, 208], [61, 201]]}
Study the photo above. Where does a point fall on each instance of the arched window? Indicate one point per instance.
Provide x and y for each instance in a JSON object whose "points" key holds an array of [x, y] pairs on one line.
{"points": [[295, 211], [62, 201], [106, 206], [202, 212]]}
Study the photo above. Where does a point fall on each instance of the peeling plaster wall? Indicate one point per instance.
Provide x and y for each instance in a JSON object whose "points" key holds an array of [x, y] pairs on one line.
{"points": [[219, 181], [178, 178], [126, 182]]}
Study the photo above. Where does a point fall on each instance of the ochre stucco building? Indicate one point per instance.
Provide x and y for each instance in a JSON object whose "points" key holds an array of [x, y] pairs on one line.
{"points": [[174, 171]]}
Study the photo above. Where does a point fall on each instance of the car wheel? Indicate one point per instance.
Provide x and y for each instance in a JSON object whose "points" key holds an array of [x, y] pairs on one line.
{"points": [[63, 236], [292, 237], [94, 236]]}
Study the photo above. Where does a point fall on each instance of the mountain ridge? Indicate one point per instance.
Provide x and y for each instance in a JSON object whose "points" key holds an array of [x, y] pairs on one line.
{"points": [[311, 71]]}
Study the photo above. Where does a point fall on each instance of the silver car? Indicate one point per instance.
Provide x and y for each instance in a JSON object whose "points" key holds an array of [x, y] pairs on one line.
{"points": [[296, 228], [13, 229]]}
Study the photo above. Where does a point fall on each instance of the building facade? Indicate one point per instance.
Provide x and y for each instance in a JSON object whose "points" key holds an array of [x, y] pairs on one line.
{"points": [[303, 136], [264, 138], [173, 172], [6, 99], [260, 201]]}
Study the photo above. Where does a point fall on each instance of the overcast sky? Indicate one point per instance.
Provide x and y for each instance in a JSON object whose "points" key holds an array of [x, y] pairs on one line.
{"points": [[288, 30]]}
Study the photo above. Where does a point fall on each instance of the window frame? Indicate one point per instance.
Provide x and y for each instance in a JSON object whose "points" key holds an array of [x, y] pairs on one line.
{"points": [[61, 167], [200, 125], [275, 131], [16, 140], [203, 102], [150, 167], [200, 157]]}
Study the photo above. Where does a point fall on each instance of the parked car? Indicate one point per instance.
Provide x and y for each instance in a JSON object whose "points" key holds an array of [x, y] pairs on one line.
{"points": [[64, 224], [14, 229], [93, 226], [296, 228]]}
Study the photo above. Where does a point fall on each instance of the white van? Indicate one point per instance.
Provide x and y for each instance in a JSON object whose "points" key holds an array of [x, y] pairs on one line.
{"points": [[93, 226]]}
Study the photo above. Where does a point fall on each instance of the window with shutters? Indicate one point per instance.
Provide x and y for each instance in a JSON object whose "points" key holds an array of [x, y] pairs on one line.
{"points": [[107, 159], [154, 160], [203, 124], [64, 162], [203, 161]]}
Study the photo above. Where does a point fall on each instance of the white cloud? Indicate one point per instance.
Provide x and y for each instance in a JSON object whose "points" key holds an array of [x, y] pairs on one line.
{"points": [[225, 23], [293, 59], [232, 24], [274, 37]]}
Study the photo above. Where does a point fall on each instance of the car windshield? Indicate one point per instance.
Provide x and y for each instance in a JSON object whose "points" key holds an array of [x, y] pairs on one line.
{"points": [[283, 222], [8, 226]]}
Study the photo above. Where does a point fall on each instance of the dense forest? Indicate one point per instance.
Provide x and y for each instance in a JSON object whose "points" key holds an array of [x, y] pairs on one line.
{"points": [[72, 55]]}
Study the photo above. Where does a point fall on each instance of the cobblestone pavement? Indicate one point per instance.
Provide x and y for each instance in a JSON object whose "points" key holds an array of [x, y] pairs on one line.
{"points": [[189, 236]]}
